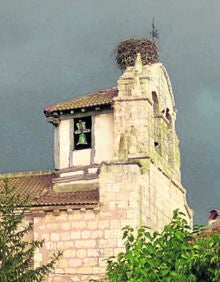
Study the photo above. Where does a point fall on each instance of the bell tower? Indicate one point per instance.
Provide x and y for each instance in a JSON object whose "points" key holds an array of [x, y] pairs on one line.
{"points": [[144, 117], [117, 163], [122, 143]]}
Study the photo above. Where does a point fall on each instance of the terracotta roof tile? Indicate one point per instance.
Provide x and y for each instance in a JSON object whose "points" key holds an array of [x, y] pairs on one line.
{"points": [[38, 186], [103, 97]]}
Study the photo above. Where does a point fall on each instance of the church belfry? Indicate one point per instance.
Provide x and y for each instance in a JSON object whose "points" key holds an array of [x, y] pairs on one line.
{"points": [[123, 142], [144, 117]]}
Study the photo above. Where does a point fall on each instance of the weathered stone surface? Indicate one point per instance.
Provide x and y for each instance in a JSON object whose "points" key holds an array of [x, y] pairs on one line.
{"points": [[139, 176]]}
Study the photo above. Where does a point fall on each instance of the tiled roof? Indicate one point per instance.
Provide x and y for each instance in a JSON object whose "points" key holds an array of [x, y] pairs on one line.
{"points": [[103, 97], [38, 187]]}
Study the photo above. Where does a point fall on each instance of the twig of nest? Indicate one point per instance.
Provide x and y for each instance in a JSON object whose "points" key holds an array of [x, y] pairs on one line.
{"points": [[127, 51]]}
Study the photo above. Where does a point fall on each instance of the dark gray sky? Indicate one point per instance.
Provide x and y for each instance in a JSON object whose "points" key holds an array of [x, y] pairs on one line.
{"points": [[53, 50]]}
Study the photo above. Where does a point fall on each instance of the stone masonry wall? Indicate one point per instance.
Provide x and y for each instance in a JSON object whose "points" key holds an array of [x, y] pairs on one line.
{"points": [[87, 237], [140, 185], [162, 195], [130, 194]]}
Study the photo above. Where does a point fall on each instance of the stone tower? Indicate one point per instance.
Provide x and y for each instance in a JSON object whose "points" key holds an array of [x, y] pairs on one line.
{"points": [[117, 163], [128, 131], [144, 133]]}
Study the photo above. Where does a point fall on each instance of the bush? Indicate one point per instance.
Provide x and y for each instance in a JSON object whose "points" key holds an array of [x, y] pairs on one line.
{"points": [[174, 255]]}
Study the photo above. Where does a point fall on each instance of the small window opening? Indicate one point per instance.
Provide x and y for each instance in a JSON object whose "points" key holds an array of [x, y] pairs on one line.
{"points": [[155, 103], [169, 118], [82, 133]]}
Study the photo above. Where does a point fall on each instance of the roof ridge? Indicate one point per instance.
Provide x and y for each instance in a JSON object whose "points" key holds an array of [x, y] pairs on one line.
{"points": [[104, 97], [84, 95]]}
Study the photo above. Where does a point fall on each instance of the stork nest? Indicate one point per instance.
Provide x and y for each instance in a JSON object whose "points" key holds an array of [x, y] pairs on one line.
{"points": [[127, 51]]}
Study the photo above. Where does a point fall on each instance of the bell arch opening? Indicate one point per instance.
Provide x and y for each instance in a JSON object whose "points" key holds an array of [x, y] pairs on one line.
{"points": [[170, 138], [82, 133], [155, 103], [156, 123]]}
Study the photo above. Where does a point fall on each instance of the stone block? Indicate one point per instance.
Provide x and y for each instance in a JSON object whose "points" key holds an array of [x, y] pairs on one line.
{"points": [[51, 226], [107, 243], [114, 224], [112, 233], [89, 215], [107, 252], [92, 261], [103, 224], [38, 257], [76, 216], [69, 253], [85, 244], [66, 226], [50, 245], [44, 236], [81, 253], [55, 236], [85, 234], [79, 224], [96, 234], [74, 262], [92, 225], [93, 252], [72, 271], [65, 236], [67, 245], [75, 235]]}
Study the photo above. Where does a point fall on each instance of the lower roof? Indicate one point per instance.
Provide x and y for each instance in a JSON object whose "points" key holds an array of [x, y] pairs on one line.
{"points": [[38, 186]]}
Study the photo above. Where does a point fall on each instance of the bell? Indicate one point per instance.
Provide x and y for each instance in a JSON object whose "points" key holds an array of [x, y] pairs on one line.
{"points": [[82, 140]]}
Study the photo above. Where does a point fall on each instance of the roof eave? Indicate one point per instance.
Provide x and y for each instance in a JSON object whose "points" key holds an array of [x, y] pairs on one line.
{"points": [[41, 210], [55, 117]]}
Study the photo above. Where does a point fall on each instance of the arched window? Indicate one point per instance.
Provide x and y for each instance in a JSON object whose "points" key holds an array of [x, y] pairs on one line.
{"points": [[169, 118], [156, 123], [155, 103], [170, 138]]}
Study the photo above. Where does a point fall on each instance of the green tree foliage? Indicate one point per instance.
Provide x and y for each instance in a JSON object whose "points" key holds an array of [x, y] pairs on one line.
{"points": [[174, 255], [16, 253]]}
